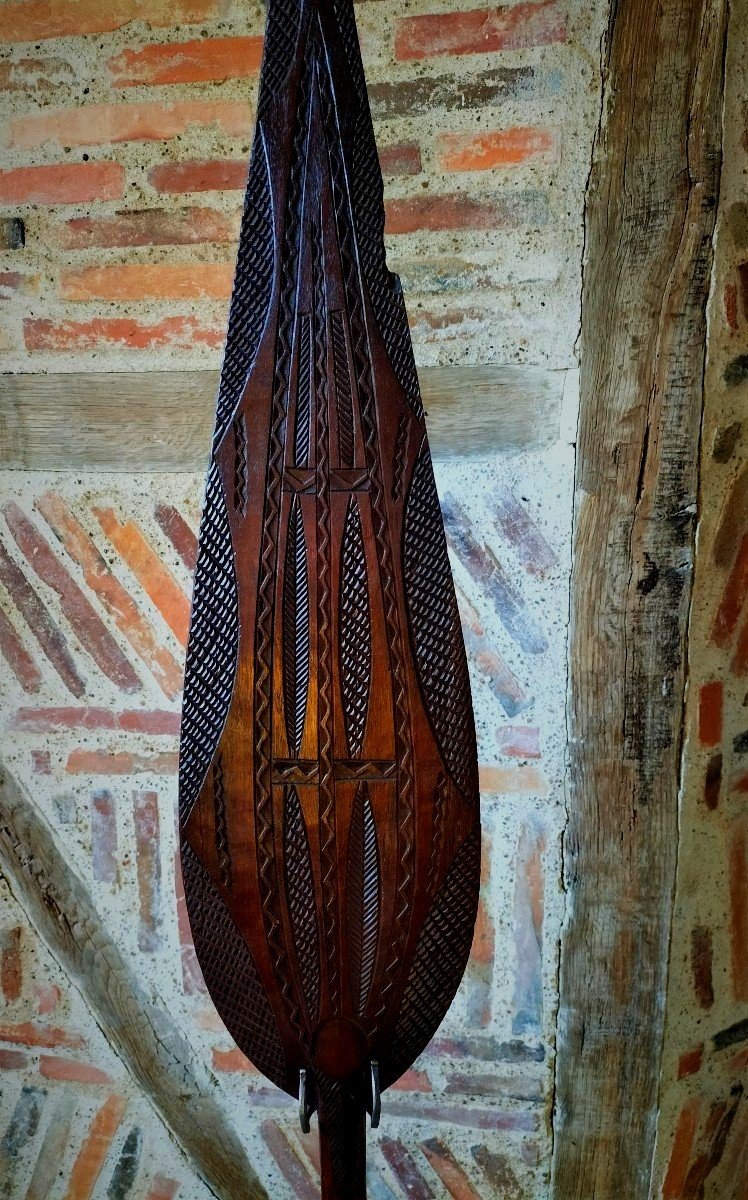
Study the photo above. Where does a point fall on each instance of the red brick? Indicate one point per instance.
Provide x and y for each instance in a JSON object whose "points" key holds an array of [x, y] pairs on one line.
{"points": [[733, 597], [702, 955], [743, 277], [90, 1159], [199, 175], [11, 964], [138, 720], [457, 210], [690, 1062], [47, 997], [733, 521], [13, 1060], [400, 158], [62, 183], [149, 281], [163, 1188], [519, 741], [730, 303], [115, 599], [739, 664], [479, 31], [710, 713], [20, 662], [88, 627], [499, 1172], [449, 1171], [34, 20], [494, 148], [41, 762], [52, 1067], [104, 124], [102, 762], [29, 1033], [150, 227], [156, 579], [404, 1168], [14, 283], [40, 623], [172, 333], [519, 529], [737, 860], [188, 62], [468, 1116], [232, 1061], [148, 862], [529, 903], [103, 837], [680, 1153], [182, 538], [413, 1081], [713, 782], [288, 1161]]}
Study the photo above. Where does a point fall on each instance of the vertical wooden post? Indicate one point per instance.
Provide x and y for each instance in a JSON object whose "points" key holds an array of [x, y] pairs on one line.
{"points": [[650, 216]]}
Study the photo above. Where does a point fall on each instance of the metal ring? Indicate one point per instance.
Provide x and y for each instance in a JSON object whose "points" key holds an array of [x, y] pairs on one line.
{"points": [[303, 1105], [376, 1099]]}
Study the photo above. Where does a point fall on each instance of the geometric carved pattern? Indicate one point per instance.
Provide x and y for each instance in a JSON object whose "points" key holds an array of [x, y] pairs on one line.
{"points": [[295, 630], [363, 888], [301, 902], [355, 634], [229, 968], [212, 648], [440, 958], [343, 394], [222, 836], [435, 628], [303, 426]]}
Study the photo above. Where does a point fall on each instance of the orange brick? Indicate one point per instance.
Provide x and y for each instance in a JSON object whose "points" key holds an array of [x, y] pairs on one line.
{"points": [[62, 183], [499, 148], [680, 1154], [34, 20], [102, 762], [479, 31], [518, 781], [146, 566], [162, 1188], [91, 1156], [111, 593], [460, 211], [149, 281], [28, 1033], [151, 227], [737, 858], [52, 1067], [710, 713], [413, 1081], [210, 175], [232, 1060], [173, 333], [188, 62], [101, 124]]}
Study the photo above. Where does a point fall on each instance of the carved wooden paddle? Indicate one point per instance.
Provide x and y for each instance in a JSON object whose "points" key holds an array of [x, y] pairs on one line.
{"points": [[328, 785]]}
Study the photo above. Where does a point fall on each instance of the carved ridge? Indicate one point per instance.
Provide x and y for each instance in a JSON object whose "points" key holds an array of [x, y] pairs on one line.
{"points": [[296, 637], [343, 389], [355, 630], [363, 896], [301, 902]]}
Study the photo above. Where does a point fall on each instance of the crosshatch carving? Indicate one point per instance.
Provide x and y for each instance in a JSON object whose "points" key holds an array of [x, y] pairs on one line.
{"points": [[328, 772]]}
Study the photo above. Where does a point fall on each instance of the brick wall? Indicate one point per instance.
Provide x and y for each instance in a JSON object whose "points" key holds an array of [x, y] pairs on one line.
{"points": [[124, 137], [702, 1145]]}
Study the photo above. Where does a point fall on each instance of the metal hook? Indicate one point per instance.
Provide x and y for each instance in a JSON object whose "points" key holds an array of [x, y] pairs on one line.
{"points": [[376, 1099], [304, 1111]]}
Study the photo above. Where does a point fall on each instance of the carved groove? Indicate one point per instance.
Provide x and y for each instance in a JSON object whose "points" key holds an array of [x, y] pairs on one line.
{"points": [[295, 630], [363, 896], [440, 958], [230, 972], [303, 426], [301, 902], [355, 631], [343, 390], [240, 465], [400, 456], [437, 832], [222, 836], [435, 628]]}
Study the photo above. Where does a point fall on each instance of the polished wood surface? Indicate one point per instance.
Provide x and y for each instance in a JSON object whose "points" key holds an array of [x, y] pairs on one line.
{"points": [[328, 777]]}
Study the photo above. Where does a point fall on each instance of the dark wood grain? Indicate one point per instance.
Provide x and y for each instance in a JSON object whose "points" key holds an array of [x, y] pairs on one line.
{"points": [[650, 216], [328, 776]]}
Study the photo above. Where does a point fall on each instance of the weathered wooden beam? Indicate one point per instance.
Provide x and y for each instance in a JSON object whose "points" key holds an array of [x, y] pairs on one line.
{"points": [[162, 420], [650, 216], [59, 906]]}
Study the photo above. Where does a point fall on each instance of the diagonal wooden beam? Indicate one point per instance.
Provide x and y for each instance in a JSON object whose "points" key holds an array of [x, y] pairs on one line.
{"points": [[60, 908], [650, 214]]}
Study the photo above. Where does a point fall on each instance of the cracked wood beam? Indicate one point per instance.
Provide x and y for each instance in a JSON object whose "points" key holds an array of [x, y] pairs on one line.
{"points": [[59, 906], [650, 214]]}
